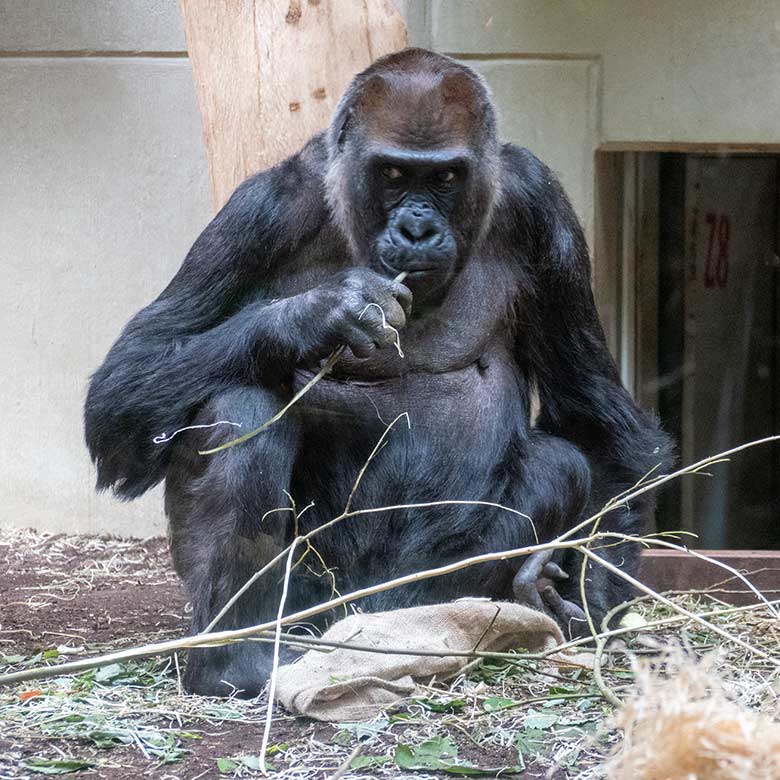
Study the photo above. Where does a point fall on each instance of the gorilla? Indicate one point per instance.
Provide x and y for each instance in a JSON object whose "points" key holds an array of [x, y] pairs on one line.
{"points": [[495, 308]]}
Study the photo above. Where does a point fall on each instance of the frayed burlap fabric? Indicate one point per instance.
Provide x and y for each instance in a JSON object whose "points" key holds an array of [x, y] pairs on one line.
{"points": [[352, 685]]}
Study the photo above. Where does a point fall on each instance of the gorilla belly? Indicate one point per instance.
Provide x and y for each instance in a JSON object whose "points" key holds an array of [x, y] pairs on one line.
{"points": [[458, 429]]}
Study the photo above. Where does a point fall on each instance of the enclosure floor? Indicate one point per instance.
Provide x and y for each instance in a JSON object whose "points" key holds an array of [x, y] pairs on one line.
{"points": [[88, 595]]}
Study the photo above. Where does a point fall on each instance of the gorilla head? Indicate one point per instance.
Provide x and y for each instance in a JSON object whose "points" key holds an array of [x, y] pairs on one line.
{"points": [[413, 166]]}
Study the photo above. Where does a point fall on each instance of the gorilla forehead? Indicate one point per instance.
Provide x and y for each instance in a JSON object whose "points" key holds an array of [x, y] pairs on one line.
{"points": [[418, 99], [417, 113]]}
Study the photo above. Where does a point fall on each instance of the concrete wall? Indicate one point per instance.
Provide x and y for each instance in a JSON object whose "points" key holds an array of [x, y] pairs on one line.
{"points": [[103, 187], [103, 181]]}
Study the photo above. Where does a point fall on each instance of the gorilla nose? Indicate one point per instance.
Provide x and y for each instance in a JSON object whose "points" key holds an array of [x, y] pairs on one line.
{"points": [[416, 228]]}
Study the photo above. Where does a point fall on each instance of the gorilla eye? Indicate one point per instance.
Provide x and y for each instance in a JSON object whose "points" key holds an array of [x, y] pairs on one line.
{"points": [[446, 177], [392, 173]]}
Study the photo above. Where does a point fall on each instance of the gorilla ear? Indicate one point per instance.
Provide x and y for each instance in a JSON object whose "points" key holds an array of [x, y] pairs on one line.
{"points": [[365, 100], [341, 137]]}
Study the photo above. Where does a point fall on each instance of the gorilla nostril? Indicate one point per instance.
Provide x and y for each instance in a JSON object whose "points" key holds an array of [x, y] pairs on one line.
{"points": [[407, 235]]}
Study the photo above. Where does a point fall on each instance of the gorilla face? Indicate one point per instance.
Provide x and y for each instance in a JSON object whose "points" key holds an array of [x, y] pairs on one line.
{"points": [[419, 192]]}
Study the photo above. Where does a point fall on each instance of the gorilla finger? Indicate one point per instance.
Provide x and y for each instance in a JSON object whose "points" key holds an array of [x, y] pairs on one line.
{"points": [[568, 614], [404, 296], [553, 600], [532, 566], [361, 344], [373, 322], [554, 572], [526, 593], [394, 313]]}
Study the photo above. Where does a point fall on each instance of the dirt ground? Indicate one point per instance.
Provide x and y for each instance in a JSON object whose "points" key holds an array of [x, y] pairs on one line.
{"points": [[66, 597]]}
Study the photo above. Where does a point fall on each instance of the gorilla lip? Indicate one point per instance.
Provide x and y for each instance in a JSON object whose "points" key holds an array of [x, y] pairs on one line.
{"points": [[399, 275]]}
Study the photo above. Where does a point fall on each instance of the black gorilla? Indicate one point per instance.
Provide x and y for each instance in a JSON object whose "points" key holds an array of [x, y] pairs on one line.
{"points": [[410, 177]]}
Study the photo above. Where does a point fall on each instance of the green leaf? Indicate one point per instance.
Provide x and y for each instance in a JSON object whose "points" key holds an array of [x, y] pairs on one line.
{"points": [[13, 659], [361, 731], [399, 717], [226, 765], [342, 737], [442, 705], [539, 720], [365, 762], [632, 620], [440, 753], [495, 703], [108, 673], [441, 747], [530, 742], [55, 766], [406, 758]]}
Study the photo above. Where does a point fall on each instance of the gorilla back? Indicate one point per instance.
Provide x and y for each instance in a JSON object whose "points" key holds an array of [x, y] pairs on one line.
{"points": [[409, 179]]}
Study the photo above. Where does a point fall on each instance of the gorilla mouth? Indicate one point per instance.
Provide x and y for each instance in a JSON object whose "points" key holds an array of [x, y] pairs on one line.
{"points": [[410, 270], [436, 259], [414, 271]]}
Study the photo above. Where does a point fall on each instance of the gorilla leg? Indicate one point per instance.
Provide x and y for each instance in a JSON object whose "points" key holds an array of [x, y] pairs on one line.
{"points": [[551, 580], [544, 477], [556, 489], [220, 537]]}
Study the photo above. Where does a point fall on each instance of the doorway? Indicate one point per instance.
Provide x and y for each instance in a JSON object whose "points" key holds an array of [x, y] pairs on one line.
{"points": [[694, 285]]}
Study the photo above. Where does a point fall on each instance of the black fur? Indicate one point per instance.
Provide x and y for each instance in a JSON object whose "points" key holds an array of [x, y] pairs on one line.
{"points": [[285, 273]]}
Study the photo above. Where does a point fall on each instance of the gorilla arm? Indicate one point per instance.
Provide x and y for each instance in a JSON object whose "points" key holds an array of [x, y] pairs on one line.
{"points": [[211, 329], [582, 397], [198, 336]]}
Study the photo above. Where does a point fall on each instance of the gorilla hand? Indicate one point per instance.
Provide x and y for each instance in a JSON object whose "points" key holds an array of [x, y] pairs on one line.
{"points": [[535, 586], [359, 308]]}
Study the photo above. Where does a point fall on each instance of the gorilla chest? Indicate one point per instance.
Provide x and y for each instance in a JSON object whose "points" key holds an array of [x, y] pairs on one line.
{"points": [[454, 420]]}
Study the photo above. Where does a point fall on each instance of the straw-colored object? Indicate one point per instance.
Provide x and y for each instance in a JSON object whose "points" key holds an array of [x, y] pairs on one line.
{"points": [[350, 685], [683, 726]]}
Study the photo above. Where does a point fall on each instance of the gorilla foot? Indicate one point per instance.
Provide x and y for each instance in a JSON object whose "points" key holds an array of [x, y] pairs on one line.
{"points": [[535, 585]]}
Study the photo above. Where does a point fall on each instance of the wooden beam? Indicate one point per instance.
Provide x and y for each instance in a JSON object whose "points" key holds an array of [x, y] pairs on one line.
{"points": [[268, 73], [674, 570], [685, 147]]}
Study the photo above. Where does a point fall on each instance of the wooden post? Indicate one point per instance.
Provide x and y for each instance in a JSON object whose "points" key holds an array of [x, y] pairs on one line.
{"points": [[268, 73]]}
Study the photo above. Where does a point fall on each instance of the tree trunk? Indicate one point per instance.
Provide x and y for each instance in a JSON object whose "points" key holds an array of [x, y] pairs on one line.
{"points": [[269, 73]]}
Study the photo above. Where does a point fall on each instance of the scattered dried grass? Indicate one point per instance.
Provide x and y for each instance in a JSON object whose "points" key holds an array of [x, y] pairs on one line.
{"points": [[681, 723]]}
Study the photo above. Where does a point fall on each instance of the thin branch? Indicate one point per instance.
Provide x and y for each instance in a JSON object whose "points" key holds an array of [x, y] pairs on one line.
{"points": [[671, 604], [326, 369], [269, 713], [378, 446], [662, 480], [562, 542], [343, 516], [225, 637]]}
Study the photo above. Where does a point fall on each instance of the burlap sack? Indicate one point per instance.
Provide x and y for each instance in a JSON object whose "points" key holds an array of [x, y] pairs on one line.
{"points": [[351, 685]]}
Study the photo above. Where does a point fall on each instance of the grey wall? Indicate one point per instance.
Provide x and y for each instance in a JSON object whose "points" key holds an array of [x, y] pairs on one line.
{"points": [[103, 187]]}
